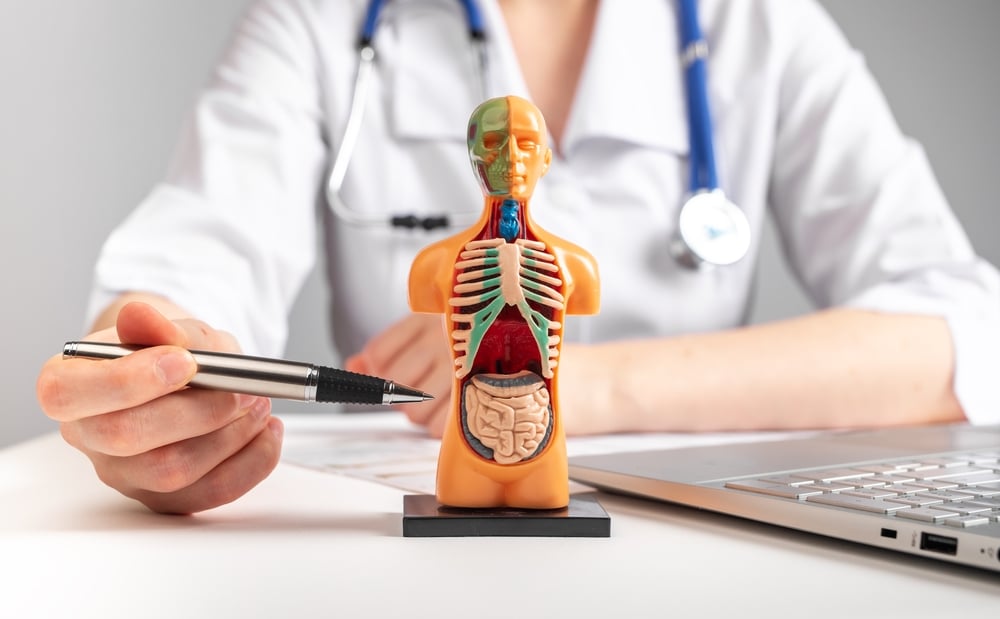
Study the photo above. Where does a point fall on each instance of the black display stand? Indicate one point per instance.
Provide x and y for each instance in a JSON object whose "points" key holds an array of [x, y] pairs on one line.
{"points": [[423, 516]]}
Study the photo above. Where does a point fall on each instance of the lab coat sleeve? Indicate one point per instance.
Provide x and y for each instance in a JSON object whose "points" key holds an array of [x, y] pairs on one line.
{"points": [[862, 219], [230, 234]]}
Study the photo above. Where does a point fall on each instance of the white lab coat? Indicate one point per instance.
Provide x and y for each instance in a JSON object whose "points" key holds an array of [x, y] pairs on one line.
{"points": [[801, 132]]}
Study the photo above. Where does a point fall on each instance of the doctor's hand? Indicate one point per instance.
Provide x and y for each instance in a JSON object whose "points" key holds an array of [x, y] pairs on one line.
{"points": [[176, 450], [414, 352]]}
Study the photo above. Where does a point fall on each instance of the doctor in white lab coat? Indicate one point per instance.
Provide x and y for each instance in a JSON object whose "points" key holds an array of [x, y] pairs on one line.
{"points": [[908, 321]]}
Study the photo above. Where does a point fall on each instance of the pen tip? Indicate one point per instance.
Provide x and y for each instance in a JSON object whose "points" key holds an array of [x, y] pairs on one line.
{"points": [[401, 394]]}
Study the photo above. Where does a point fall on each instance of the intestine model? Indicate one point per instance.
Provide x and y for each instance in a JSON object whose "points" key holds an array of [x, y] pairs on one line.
{"points": [[504, 287]]}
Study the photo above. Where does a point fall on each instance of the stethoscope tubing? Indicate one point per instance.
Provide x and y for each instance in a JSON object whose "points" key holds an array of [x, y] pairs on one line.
{"points": [[355, 116], [694, 53], [473, 18], [364, 73]]}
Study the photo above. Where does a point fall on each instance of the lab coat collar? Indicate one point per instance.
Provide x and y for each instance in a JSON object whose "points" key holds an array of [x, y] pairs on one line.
{"points": [[631, 88], [426, 67]]}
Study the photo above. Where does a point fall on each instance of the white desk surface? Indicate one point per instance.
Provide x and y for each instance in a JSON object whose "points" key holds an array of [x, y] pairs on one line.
{"points": [[305, 543]]}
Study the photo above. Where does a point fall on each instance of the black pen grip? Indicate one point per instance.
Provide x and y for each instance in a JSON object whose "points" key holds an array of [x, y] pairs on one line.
{"points": [[336, 385]]}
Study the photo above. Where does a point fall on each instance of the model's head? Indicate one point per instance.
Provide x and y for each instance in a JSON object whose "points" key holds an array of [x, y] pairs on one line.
{"points": [[508, 146]]}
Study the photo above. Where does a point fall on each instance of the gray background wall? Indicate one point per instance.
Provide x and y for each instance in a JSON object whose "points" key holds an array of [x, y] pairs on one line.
{"points": [[92, 95]]}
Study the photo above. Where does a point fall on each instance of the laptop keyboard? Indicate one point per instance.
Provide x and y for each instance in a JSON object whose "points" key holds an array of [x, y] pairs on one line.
{"points": [[956, 490]]}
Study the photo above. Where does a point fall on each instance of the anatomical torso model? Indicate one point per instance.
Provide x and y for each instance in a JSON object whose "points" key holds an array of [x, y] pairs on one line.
{"points": [[504, 287]]}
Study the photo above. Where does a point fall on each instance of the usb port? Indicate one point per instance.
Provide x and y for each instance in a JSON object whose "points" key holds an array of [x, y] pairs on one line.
{"points": [[939, 543], [890, 533]]}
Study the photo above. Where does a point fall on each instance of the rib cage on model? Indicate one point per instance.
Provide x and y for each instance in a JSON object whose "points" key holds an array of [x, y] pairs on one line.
{"points": [[492, 274]]}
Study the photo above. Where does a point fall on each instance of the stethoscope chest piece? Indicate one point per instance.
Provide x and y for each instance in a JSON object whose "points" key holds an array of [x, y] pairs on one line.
{"points": [[711, 230]]}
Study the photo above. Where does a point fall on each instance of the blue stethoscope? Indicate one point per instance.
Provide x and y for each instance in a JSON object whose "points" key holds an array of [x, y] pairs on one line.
{"points": [[711, 230]]}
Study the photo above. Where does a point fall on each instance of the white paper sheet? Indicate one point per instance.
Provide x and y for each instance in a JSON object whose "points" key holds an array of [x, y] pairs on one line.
{"points": [[383, 447]]}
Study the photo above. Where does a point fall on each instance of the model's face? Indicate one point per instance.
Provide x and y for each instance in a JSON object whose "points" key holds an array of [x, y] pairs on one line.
{"points": [[508, 147]]}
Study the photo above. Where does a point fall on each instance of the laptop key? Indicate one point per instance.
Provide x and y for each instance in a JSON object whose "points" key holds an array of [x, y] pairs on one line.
{"points": [[925, 514], [992, 503], [963, 509], [833, 474], [945, 495], [934, 484], [828, 486], [950, 472], [865, 482], [947, 461], [779, 490], [784, 480], [877, 506], [891, 479], [915, 500], [907, 488], [871, 493], [975, 480], [985, 489], [878, 469], [968, 492], [967, 521]]}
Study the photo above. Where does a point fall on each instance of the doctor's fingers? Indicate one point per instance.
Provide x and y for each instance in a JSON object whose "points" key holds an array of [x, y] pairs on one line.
{"points": [[429, 369], [413, 337], [201, 336], [437, 381], [172, 418], [425, 364], [198, 473], [70, 389], [432, 415], [140, 323]]}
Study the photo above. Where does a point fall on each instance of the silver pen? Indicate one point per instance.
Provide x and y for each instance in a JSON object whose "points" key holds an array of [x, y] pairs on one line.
{"points": [[273, 378]]}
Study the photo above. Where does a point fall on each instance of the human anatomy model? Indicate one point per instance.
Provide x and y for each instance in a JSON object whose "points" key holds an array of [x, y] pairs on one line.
{"points": [[504, 287]]}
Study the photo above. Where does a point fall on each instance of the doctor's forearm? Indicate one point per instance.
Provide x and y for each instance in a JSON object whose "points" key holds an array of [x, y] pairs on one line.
{"points": [[835, 368]]}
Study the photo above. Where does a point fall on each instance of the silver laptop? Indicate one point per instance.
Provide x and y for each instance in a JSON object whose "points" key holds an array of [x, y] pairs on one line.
{"points": [[932, 491]]}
